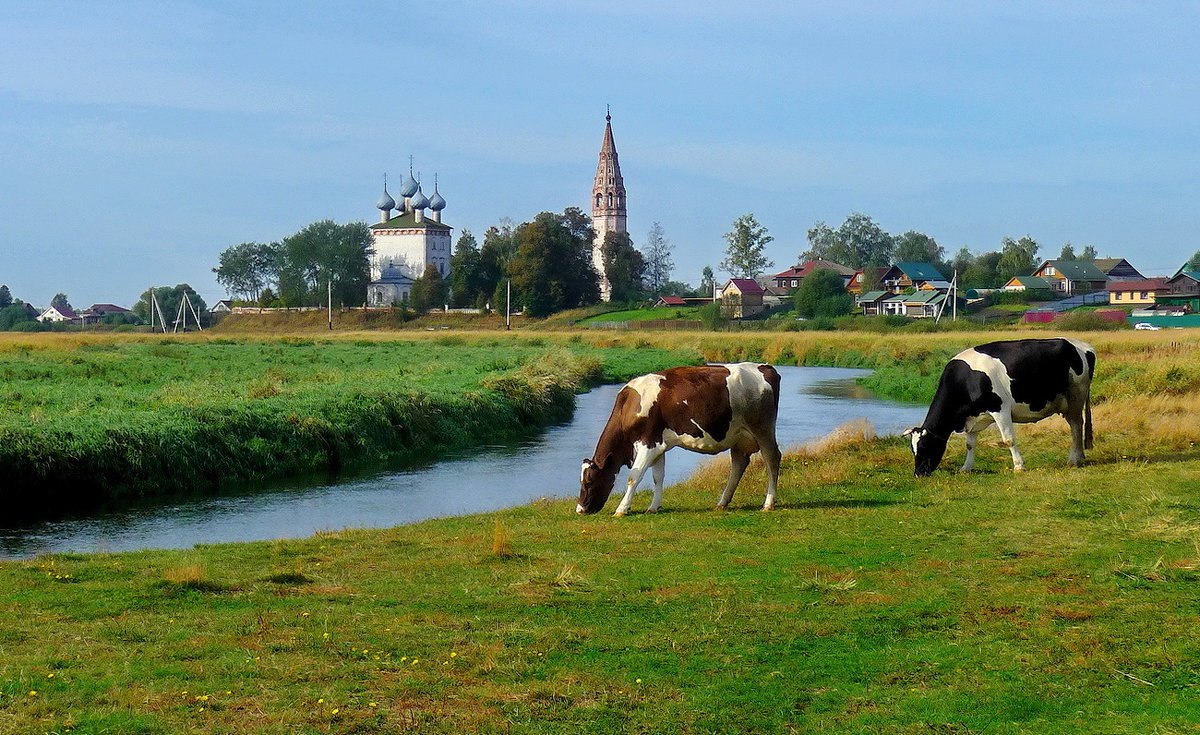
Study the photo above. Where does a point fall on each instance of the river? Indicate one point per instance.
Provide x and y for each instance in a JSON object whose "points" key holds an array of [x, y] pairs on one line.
{"points": [[813, 402]]}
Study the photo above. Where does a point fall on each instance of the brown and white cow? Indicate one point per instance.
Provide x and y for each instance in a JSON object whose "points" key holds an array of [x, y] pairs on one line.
{"points": [[708, 409]]}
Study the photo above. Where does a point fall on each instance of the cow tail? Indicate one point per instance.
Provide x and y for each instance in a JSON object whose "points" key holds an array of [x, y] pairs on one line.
{"points": [[1087, 404]]}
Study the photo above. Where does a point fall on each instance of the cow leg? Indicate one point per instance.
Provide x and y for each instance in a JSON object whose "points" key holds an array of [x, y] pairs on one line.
{"points": [[738, 462], [771, 456], [1004, 423], [658, 471], [1075, 419], [969, 463], [643, 458]]}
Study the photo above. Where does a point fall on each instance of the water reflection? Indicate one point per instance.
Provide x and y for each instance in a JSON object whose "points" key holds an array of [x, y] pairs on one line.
{"points": [[814, 401]]}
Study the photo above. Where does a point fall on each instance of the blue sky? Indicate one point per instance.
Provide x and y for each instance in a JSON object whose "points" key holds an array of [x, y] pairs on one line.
{"points": [[138, 140]]}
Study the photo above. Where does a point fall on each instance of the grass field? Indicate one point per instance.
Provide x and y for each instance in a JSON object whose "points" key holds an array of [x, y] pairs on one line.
{"points": [[871, 602], [632, 315], [85, 418]]}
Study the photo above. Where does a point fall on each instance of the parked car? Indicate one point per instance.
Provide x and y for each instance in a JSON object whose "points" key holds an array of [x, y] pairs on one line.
{"points": [[1146, 325]]}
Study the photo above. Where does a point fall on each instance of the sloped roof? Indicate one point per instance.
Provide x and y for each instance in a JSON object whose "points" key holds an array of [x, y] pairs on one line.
{"points": [[1034, 282], [919, 297], [1150, 284], [920, 271], [408, 220], [1077, 270], [1194, 275], [827, 265], [673, 300], [796, 271], [66, 311], [107, 308], [745, 285], [870, 296]]}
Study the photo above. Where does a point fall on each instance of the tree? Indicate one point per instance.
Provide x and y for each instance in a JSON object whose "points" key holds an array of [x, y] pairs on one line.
{"points": [[60, 301], [982, 272], [857, 243], [466, 285], [1193, 263], [744, 256], [428, 291], [169, 298], [245, 269], [708, 282], [822, 293], [623, 265], [324, 253], [1067, 252], [659, 263], [963, 259], [5, 297], [499, 248], [1088, 253], [552, 267], [1017, 257], [14, 314], [917, 247]]}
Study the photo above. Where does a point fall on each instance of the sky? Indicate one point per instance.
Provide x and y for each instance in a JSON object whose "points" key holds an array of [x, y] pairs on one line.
{"points": [[140, 139]]}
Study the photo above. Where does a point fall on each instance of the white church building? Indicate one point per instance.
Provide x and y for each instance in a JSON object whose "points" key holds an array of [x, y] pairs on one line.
{"points": [[406, 242]]}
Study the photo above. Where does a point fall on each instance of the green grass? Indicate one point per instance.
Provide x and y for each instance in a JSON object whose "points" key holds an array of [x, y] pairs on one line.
{"points": [[101, 418], [871, 602], [631, 315]]}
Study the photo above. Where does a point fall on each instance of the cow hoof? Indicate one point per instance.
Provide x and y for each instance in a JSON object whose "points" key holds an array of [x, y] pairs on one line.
{"points": [[768, 507], [1018, 469], [619, 514], [652, 510], [718, 506]]}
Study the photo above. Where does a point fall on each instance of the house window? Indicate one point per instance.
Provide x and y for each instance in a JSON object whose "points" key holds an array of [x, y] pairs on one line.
{"points": [[1145, 295], [1050, 270], [795, 282], [1117, 297]]}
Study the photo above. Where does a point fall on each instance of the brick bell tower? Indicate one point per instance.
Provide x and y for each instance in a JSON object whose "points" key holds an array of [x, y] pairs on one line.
{"points": [[608, 202]]}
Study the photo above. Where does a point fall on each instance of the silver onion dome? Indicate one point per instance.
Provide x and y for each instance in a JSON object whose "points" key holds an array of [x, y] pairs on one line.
{"points": [[419, 201], [409, 187], [386, 202], [436, 202]]}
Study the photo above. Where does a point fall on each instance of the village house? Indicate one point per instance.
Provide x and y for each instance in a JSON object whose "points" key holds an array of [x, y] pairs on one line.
{"points": [[1184, 282], [903, 276], [855, 286], [1028, 283], [870, 302], [919, 304], [742, 297], [95, 313], [670, 301], [791, 278], [1137, 293], [1118, 269], [1072, 276], [59, 314]]}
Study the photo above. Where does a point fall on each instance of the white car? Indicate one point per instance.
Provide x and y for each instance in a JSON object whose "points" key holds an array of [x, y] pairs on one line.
{"points": [[1146, 325]]}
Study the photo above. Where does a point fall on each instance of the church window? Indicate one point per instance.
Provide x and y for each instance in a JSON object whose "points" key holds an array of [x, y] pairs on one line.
{"points": [[599, 200], [610, 200]]}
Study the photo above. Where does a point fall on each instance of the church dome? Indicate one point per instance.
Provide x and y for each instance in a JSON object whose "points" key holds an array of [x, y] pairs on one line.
{"points": [[419, 201], [386, 202], [436, 202], [409, 187]]}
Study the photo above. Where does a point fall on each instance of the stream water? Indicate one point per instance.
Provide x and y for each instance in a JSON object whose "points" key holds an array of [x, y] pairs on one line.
{"points": [[813, 402]]}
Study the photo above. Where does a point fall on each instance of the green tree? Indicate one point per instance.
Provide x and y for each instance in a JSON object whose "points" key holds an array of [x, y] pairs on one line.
{"points": [[982, 272], [245, 269], [623, 265], [708, 281], [429, 291], [60, 301], [1067, 252], [324, 253], [917, 247], [1017, 257], [822, 293], [499, 249], [857, 242], [552, 268], [659, 263], [14, 314], [5, 297], [466, 284], [1193, 263], [744, 257], [963, 259], [1088, 253]]}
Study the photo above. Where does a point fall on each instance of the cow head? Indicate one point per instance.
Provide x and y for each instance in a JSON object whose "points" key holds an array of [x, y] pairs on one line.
{"points": [[595, 485], [927, 448]]}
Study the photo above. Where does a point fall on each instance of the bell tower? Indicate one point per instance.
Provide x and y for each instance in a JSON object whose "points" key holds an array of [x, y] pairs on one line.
{"points": [[608, 202]]}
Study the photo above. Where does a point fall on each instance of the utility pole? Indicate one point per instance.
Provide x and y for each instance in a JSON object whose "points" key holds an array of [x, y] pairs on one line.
{"points": [[508, 306], [329, 303]]}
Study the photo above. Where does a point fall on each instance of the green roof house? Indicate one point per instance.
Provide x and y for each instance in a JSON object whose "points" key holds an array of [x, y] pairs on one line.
{"points": [[903, 276]]}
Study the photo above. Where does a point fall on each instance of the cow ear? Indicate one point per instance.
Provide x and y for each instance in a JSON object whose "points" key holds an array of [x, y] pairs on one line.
{"points": [[909, 432]]}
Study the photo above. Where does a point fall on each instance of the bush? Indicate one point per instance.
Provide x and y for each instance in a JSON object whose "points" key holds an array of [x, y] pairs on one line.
{"points": [[1089, 321], [713, 316], [1022, 297]]}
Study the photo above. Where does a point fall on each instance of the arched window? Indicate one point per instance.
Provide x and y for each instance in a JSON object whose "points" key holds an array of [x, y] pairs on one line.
{"points": [[599, 200], [610, 200]]}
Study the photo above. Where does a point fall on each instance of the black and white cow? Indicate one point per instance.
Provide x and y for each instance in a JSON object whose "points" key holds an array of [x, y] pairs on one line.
{"points": [[1020, 381], [706, 409]]}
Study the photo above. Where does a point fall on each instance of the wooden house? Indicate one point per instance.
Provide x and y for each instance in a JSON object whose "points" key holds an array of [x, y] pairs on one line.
{"points": [[1028, 283], [870, 303], [1136, 293], [903, 276], [742, 297], [59, 314], [1072, 276], [855, 286], [1118, 269], [791, 278]]}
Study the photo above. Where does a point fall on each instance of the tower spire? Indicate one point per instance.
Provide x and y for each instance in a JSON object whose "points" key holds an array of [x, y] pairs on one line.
{"points": [[608, 200]]}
